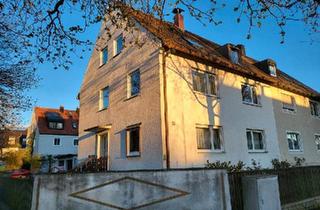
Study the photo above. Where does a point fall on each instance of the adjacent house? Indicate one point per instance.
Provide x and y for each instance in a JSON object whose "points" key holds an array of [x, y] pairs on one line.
{"points": [[54, 136], [12, 140], [178, 100]]}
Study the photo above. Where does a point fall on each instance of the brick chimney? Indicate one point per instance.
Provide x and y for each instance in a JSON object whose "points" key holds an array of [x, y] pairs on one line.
{"points": [[61, 109], [178, 18]]}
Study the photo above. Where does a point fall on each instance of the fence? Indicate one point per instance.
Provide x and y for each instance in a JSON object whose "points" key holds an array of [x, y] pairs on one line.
{"points": [[15, 194], [93, 164], [295, 184]]}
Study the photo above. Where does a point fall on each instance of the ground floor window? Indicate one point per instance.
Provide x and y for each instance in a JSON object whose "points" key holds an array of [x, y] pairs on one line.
{"points": [[255, 140], [294, 141], [133, 140], [209, 138], [317, 140]]}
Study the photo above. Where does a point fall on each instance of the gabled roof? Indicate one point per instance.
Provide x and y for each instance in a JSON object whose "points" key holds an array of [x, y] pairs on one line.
{"points": [[44, 115], [187, 44]]}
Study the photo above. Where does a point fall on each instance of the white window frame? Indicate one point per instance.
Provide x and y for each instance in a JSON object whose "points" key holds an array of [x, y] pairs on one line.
{"points": [[55, 127], [287, 109], [135, 153], [251, 93], [54, 142], [129, 84], [318, 108], [115, 45], [300, 142], [273, 70], [254, 150], [315, 139], [207, 83], [211, 131], [101, 98], [232, 49]]}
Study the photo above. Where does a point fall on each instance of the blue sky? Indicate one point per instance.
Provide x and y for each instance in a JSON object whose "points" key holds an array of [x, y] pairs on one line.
{"points": [[296, 56]]}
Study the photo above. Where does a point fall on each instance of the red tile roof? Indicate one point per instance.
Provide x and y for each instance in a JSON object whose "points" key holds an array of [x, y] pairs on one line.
{"points": [[182, 42], [68, 117]]}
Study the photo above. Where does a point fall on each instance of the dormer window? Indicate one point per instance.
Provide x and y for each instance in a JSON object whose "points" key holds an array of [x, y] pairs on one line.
{"points": [[56, 125], [234, 56], [273, 69]]}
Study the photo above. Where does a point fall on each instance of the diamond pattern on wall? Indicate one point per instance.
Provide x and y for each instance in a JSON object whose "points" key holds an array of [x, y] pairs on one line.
{"points": [[128, 193]]}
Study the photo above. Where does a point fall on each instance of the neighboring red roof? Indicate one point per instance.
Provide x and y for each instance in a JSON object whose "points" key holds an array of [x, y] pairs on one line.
{"points": [[67, 116], [183, 42]]}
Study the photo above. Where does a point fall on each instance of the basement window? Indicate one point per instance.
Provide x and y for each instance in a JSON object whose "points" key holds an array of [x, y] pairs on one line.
{"points": [[209, 138], [133, 141]]}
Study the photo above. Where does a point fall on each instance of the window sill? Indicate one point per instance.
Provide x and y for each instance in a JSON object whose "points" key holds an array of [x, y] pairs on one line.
{"points": [[131, 97], [206, 94], [210, 151], [287, 111], [257, 151], [251, 104], [100, 110], [100, 66], [296, 151], [133, 155], [117, 54]]}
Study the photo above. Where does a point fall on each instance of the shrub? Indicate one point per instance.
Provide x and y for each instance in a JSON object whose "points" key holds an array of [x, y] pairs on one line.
{"points": [[226, 165]]}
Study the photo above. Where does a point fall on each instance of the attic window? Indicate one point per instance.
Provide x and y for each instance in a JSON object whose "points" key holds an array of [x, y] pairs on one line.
{"points": [[56, 125], [234, 56], [273, 70], [194, 43]]}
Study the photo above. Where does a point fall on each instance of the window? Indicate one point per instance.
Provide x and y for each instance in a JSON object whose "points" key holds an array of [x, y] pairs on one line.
{"points": [[118, 45], [294, 141], [74, 125], [273, 70], [314, 108], [209, 138], [317, 141], [288, 103], [134, 83], [104, 56], [104, 98], [255, 140], [234, 56], [204, 82], [133, 141], [12, 140], [61, 163], [249, 94], [56, 141], [75, 142], [56, 125]]}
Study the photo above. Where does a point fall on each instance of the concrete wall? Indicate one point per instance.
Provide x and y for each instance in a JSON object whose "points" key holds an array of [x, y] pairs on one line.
{"points": [[123, 111], [45, 145], [187, 108], [181, 189], [301, 121]]}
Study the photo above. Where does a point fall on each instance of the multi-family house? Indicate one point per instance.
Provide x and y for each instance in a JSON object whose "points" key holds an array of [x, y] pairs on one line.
{"points": [[178, 100], [12, 140], [53, 134]]}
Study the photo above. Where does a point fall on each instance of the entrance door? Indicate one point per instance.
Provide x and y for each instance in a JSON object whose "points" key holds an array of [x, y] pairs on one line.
{"points": [[69, 164], [102, 146]]}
